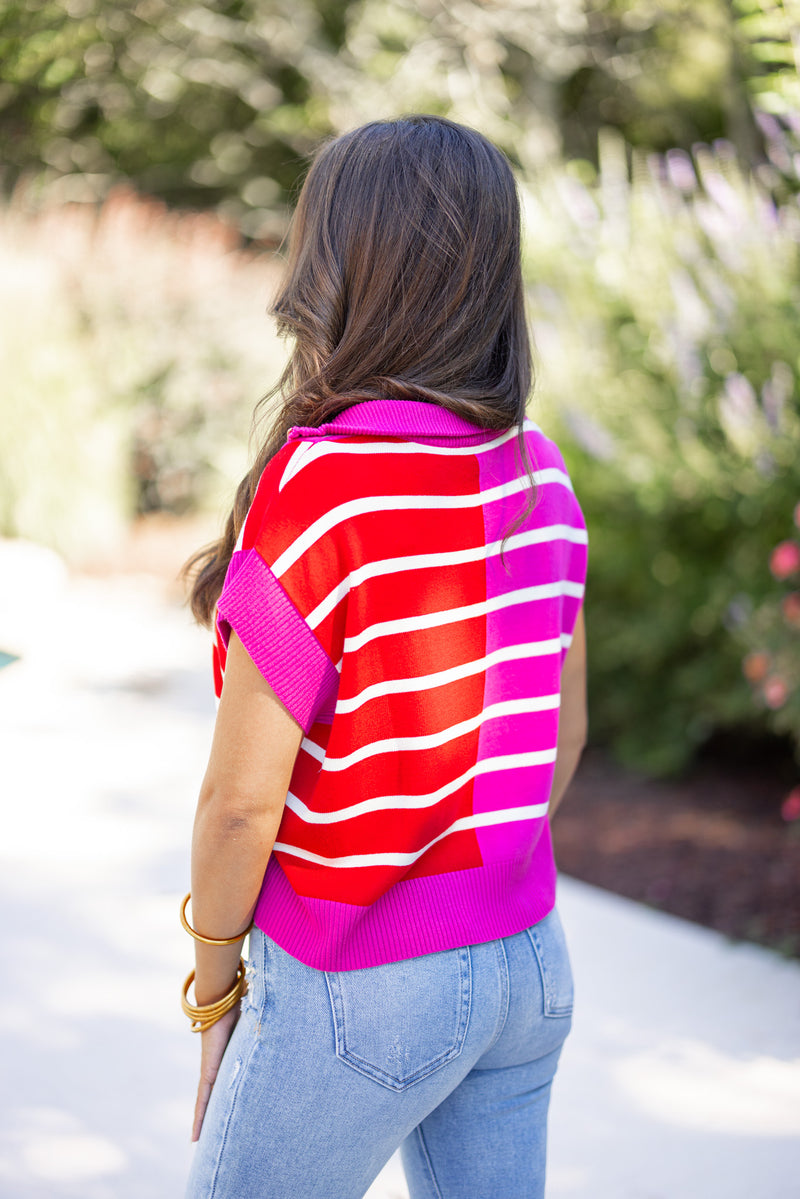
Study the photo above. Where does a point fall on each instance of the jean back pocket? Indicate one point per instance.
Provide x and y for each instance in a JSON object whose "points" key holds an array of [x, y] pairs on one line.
{"points": [[400, 1022], [550, 946]]}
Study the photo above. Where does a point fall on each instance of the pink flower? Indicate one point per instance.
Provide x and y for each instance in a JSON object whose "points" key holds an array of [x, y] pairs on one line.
{"points": [[790, 606], [775, 692], [790, 808], [785, 559]]}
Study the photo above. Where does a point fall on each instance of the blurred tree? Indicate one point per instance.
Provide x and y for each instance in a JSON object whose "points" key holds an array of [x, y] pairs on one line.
{"points": [[201, 104], [543, 76], [219, 103]]}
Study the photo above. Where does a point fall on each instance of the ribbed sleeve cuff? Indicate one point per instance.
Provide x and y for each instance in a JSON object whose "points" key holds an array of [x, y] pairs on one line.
{"points": [[254, 604]]}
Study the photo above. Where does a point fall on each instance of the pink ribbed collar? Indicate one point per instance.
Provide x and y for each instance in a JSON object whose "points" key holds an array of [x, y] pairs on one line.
{"points": [[412, 419]]}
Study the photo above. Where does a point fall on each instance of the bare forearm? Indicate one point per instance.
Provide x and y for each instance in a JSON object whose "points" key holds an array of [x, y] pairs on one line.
{"points": [[230, 851]]}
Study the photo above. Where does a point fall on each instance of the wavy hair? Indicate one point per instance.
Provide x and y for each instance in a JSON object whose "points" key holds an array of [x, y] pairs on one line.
{"points": [[404, 281]]}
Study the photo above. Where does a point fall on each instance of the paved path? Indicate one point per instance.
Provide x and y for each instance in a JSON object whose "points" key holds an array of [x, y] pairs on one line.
{"points": [[680, 1079]]}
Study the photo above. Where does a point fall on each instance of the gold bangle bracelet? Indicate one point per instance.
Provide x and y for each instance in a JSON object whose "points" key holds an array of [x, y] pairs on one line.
{"points": [[209, 940], [204, 1015]]}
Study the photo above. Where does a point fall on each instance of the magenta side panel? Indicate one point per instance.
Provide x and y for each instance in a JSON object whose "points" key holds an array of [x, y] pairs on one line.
{"points": [[538, 564], [515, 680], [535, 620], [529, 732]]}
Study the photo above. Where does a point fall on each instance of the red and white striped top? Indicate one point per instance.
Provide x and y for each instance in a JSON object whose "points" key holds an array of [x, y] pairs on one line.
{"points": [[422, 654]]}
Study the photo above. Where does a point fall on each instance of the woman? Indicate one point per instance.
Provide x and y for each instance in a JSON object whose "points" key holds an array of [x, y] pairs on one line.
{"points": [[397, 609]]}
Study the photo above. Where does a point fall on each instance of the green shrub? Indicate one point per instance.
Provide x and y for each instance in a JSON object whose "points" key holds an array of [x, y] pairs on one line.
{"points": [[666, 310]]}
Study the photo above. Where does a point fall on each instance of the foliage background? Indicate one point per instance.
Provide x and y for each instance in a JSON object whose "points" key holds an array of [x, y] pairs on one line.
{"points": [[150, 153]]}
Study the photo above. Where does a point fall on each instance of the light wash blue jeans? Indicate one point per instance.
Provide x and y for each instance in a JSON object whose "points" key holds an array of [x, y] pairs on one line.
{"points": [[450, 1055]]}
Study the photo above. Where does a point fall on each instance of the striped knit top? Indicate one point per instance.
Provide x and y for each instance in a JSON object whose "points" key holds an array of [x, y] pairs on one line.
{"points": [[421, 653]]}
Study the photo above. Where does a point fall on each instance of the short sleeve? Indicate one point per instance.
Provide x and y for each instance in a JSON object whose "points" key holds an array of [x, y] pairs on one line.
{"points": [[278, 576]]}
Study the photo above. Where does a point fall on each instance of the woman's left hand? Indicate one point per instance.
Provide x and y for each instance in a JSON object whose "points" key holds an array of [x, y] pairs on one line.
{"points": [[242, 798], [214, 1043]]}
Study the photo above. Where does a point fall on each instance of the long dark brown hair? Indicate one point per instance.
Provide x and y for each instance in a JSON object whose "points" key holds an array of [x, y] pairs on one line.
{"points": [[404, 281]]}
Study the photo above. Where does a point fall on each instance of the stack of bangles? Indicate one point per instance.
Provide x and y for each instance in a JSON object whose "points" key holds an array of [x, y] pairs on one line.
{"points": [[204, 1015]]}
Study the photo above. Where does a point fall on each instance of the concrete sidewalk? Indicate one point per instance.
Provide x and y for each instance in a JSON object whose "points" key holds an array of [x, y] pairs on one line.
{"points": [[680, 1079]]}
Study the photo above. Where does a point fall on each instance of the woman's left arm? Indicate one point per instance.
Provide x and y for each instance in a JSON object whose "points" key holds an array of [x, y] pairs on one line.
{"points": [[241, 803]]}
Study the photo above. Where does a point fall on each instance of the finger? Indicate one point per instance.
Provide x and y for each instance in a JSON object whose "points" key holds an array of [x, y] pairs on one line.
{"points": [[214, 1044], [203, 1096]]}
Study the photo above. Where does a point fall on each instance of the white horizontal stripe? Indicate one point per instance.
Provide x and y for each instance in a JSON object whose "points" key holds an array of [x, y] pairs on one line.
{"points": [[424, 682], [433, 620], [311, 747], [382, 803], [320, 449], [478, 820], [402, 503], [476, 553], [508, 707]]}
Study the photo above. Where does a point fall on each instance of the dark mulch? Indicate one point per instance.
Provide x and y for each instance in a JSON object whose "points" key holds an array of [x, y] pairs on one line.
{"points": [[712, 848]]}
